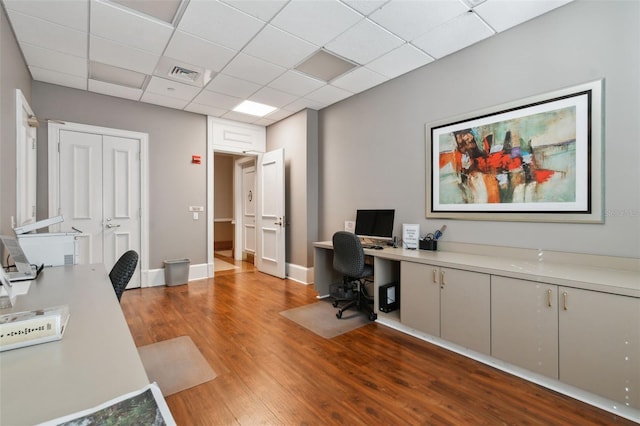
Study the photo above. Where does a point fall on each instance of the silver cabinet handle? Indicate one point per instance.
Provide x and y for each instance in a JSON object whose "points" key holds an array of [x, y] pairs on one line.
{"points": [[435, 278], [564, 301], [111, 225], [442, 279], [549, 292]]}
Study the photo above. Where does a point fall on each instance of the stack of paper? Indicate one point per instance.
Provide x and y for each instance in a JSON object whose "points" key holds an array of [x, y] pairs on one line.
{"points": [[27, 328]]}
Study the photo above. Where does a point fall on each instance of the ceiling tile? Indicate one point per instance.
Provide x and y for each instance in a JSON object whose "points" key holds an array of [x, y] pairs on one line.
{"points": [[359, 80], [46, 34], [122, 56], [122, 25], [114, 90], [410, 19], [205, 109], [115, 75], [56, 61], [504, 14], [272, 97], [264, 122], [61, 79], [317, 21], [217, 100], [279, 115], [238, 116], [364, 42], [253, 69], [303, 103], [172, 89], [279, 47], [153, 98], [232, 86], [195, 50], [366, 7], [165, 10], [400, 61], [328, 94], [325, 66], [261, 9], [219, 23], [296, 83], [456, 34], [73, 14]]}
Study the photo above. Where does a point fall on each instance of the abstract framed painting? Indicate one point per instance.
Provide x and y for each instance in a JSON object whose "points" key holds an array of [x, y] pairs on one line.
{"points": [[538, 159]]}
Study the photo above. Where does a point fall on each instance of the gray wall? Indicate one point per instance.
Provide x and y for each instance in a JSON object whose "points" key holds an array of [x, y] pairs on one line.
{"points": [[174, 183], [372, 146], [298, 136], [13, 75]]}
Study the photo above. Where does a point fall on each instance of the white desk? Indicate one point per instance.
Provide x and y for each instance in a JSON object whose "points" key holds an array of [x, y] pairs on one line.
{"points": [[95, 361]]}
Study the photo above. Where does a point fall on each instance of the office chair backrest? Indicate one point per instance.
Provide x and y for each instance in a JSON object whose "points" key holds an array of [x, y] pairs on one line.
{"points": [[348, 255], [122, 271]]}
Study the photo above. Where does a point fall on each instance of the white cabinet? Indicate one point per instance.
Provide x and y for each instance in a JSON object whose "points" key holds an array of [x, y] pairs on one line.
{"points": [[449, 303], [524, 324], [584, 338], [599, 337], [233, 136], [420, 297]]}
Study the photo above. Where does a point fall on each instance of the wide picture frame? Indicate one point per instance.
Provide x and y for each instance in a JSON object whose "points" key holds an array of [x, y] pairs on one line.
{"points": [[538, 159]]}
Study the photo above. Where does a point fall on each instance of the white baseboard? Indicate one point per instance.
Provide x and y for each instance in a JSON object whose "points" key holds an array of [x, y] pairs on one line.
{"points": [[155, 277], [299, 273]]}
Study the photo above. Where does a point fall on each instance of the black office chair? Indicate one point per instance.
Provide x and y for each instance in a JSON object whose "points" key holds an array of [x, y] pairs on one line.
{"points": [[122, 271], [348, 259]]}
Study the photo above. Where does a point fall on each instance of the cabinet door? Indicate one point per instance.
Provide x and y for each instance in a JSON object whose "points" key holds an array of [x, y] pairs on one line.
{"points": [[420, 297], [524, 324], [600, 344], [465, 315]]}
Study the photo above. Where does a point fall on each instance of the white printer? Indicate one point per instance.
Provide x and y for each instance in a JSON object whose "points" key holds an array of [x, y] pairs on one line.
{"points": [[48, 248]]}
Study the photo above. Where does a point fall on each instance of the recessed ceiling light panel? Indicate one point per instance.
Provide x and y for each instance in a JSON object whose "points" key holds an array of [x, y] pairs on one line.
{"points": [[254, 108]]}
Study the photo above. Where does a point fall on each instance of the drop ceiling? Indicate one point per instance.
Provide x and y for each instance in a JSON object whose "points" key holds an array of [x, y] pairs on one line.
{"points": [[207, 56]]}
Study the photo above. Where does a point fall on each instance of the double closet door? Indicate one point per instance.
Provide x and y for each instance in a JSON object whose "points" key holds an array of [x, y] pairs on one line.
{"points": [[99, 194]]}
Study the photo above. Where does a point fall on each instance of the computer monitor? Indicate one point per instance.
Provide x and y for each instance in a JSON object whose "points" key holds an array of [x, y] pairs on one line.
{"points": [[375, 224]]}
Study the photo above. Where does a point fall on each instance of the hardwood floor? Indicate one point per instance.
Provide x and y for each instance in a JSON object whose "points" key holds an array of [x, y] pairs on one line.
{"points": [[272, 371]]}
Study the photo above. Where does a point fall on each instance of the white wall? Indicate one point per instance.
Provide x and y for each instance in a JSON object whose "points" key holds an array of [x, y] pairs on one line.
{"points": [[372, 146]]}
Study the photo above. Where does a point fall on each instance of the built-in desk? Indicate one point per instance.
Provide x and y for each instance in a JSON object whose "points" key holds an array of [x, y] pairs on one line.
{"points": [[95, 361], [566, 321]]}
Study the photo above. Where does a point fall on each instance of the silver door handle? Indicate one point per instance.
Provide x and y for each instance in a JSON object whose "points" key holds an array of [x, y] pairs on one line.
{"points": [[111, 225], [279, 222]]}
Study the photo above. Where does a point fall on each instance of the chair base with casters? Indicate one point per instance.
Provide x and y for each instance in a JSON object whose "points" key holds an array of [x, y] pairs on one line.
{"points": [[360, 298]]}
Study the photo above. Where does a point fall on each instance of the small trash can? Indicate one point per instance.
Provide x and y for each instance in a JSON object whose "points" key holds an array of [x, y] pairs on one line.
{"points": [[176, 272]]}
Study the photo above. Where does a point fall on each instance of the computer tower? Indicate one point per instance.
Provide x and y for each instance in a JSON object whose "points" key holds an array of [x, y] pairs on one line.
{"points": [[389, 297]]}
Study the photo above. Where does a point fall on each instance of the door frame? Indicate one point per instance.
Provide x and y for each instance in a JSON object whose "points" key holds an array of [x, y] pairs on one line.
{"points": [[54, 178], [238, 201]]}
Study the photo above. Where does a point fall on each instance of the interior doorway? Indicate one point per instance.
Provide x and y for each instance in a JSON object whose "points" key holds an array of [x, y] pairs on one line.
{"points": [[234, 214]]}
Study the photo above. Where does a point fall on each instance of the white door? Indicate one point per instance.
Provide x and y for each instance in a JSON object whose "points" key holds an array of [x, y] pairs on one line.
{"points": [[26, 163], [99, 195], [121, 199], [249, 209], [271, 220]]}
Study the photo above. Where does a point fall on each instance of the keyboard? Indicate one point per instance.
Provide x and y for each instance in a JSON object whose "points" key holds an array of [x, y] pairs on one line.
{"points": [[372, 246]]}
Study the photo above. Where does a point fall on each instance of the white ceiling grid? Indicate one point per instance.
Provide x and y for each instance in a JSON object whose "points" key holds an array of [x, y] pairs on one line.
{"points": [[248, 48]]}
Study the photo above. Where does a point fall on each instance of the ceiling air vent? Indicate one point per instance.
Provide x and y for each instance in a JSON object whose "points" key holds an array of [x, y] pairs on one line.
{"points": [[184, 74]]}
